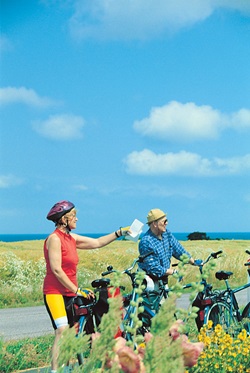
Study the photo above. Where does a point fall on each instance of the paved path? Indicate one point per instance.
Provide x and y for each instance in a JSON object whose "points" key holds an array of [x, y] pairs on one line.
{"points": [[18, 323], [26, 322]]}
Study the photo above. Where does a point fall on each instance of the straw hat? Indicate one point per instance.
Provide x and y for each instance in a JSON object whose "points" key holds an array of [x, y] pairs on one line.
{"points": [[155, 214]]}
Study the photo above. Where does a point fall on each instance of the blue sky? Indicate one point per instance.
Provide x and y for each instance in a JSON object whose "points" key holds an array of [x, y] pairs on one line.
{"points": [[123, 106]]}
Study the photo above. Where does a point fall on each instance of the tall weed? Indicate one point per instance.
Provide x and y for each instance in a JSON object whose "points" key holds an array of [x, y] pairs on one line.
{"points": [[20, 278]]}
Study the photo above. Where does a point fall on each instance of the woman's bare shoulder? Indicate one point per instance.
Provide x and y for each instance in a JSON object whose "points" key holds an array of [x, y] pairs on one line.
{"points": [[53, 237]]}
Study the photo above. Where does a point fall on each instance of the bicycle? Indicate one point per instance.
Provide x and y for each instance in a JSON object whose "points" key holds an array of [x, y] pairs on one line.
{"points": [[153, 299], [85, 319], [204, 298], [224, 308], [87, 314], [131, 300]]}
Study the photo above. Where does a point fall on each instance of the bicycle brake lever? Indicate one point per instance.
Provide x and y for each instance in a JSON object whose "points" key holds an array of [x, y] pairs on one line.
{"points": [[214, 255]]}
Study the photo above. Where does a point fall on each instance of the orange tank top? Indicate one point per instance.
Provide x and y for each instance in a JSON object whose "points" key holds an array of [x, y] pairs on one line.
{"points": [[70, 260]]}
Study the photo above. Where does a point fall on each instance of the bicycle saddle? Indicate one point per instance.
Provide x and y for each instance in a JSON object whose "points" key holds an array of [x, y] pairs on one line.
{"points": [[100, 283], [223, 275]]}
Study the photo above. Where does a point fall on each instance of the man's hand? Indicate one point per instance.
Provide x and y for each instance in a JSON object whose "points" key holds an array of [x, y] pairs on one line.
{"points": [[85, 293]]}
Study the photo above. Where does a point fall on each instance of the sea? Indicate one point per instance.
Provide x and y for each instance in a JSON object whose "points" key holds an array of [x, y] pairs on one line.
{"points": [[181, 236]]}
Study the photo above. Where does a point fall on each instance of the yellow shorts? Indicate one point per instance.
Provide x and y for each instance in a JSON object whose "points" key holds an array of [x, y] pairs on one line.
{"points": [[56, 305]]}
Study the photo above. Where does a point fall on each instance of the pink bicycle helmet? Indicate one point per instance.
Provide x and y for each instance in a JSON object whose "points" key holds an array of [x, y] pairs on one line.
{"points": [[59, 209]]}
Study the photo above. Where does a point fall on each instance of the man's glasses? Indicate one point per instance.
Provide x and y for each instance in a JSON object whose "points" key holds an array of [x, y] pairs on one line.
{"points": [[162, 221]]}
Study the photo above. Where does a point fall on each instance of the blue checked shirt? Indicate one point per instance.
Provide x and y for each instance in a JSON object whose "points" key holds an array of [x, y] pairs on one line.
{"points": [[158, 263]]}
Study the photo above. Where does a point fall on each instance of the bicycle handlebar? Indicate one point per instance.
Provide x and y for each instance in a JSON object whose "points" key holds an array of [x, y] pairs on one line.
{"points": [[210, 256], [140, 259], [248, 252], [108, 272]]}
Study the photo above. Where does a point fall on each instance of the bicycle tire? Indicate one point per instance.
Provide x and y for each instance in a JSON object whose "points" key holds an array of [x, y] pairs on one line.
{"points": [[88, 326], [246, 315], [220, 314]]}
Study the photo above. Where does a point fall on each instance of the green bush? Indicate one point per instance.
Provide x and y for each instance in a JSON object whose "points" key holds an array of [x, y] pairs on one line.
{"points": [[24, 354], [22, 279]]}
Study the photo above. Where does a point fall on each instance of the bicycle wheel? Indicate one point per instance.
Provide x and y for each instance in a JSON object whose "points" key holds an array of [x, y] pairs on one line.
{"points": [[246, 315], [87, 325], [220, 313]]}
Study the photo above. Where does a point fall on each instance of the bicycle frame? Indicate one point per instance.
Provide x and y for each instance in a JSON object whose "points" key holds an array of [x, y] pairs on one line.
{"points": [[225, 309], [128, 322], [229, 295], [240, 288], [204, 299], [84, 318]]}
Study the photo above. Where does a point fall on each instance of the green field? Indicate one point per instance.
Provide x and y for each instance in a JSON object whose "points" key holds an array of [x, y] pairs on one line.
{"points": [[22, 265]]}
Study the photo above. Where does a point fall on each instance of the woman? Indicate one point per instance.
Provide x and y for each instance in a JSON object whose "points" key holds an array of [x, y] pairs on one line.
{"points": [[60, 282]]}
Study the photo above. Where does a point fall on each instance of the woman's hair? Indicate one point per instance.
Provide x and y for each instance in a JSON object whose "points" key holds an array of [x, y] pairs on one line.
{"points": [[68, 214]]}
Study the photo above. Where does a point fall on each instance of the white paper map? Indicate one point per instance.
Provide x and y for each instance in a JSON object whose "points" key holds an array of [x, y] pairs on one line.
{"points": [[135, 230]]}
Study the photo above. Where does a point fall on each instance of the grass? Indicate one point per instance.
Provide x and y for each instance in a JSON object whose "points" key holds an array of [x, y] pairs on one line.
{"points": [[25, 354], [120, 254], [20, 261]]}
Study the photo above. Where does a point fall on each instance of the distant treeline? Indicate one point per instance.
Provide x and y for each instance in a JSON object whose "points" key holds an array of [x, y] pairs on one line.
{"points": [[198, 236]]}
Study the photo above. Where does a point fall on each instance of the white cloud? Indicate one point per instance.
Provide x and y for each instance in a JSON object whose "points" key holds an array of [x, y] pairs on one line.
{"points": [[241, 119], [60, 127], [8, 181], [189, 122], [140, 19], [10, 95], [234, 165], [183, 163], [176, 121]]}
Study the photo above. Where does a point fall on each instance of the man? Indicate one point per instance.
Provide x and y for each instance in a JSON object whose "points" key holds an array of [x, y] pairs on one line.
{"points": [[163, 244]]}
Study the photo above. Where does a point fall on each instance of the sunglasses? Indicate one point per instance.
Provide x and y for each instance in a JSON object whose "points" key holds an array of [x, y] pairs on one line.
{"points": [[160, 221]]}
